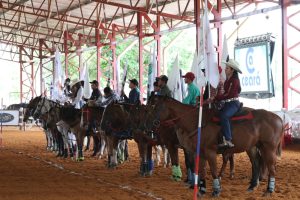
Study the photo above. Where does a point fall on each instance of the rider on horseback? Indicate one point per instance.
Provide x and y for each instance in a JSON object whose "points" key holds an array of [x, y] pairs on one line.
{"points": [[134, 94], [230, 99], [193, 90], [164, 89]]}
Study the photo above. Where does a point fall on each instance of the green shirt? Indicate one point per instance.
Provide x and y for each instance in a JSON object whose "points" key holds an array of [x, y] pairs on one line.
{"points": [[193, 92]]}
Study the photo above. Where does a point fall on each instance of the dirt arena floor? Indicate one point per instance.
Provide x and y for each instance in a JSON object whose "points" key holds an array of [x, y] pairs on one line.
{"points": [[29, 172]]}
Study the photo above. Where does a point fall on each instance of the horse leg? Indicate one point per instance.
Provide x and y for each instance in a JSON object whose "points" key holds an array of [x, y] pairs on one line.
{"points": [[202, 176], [166, 156], [254, 157], [96, 145], [176, 170], [157, 154], [269, 156], [212, 161], [114, 158], [102, 146], [120, 151], [150, 163], [231, 162], [225, 160]]}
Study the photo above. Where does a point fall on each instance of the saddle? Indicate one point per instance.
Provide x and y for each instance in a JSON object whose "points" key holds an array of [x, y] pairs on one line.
{"points": [[241, 115]]}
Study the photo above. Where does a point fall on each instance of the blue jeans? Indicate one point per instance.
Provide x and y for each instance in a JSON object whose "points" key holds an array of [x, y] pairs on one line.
{"points": [[229, 109]]}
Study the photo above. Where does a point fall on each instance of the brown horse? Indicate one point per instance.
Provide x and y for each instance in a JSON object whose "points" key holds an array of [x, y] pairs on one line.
{"points": [[29, 110], [264, 130]]}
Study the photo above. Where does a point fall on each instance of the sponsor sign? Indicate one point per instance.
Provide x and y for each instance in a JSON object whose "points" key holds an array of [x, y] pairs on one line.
{"points": [[9, 117]]}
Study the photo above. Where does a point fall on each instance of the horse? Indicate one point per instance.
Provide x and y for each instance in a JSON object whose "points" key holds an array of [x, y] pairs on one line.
{"points": [[92, 116], [115, 124], [30, 109], [69, 115], [262, 129]]}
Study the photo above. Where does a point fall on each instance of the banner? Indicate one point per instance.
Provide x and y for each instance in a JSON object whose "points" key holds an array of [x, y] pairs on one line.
{"points": [[9, 117], [224, 58], [199, 76], [152, 71], [254, 64]]}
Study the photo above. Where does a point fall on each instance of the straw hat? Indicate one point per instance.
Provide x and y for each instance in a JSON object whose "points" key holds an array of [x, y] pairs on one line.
{"points": [[234, 65], [74, 82]]}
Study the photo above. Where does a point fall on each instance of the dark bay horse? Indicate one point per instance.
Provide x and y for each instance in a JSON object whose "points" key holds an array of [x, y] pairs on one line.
{"points": [[115, 122], [264, 131]]}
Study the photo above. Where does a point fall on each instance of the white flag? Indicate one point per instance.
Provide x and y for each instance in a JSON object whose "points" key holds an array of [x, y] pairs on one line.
{"points": [[200, 80], [59, 77], [152, 71], [87, 91], [208, 56], [118, 83], [174, 82], [224, 57]]}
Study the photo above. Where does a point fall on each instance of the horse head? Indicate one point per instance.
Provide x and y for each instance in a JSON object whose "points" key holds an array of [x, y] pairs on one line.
{"points": [[31, 107], [156, 111], [43, 106]]}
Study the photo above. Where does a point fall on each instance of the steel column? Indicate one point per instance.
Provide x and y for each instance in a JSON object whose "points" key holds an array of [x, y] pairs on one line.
{"points": [[32, 86], [66, 36], [158, 45], [98, 45], [114, 63], [197, 22], [284, 54], [21, 75], [141, 47]]}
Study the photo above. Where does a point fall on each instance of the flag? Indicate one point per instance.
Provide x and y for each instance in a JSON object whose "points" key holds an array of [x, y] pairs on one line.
{"points": [[175, 80], [86, 87], [118, 83], [207, 54], [82, 70], [152, 71], [224, 58], [200, 80], [58, 79]]}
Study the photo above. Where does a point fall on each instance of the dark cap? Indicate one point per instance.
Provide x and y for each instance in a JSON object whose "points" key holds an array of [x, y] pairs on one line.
{"points": [[134, 81], [189, 75], [94, 82], [164, 78]]}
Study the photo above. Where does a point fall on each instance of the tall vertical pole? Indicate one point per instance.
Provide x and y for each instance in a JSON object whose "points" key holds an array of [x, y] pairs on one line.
{"points": [[197, 21], [114, 62], [158, 46], [141, 47], [21, 73], [41, 65], [218, 25], [32, 86], [66, 36], [284, 21], [98, 45]]}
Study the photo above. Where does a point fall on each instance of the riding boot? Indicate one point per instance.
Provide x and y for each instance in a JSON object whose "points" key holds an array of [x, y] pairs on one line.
{"points": [[65, 153], [71, 152]]}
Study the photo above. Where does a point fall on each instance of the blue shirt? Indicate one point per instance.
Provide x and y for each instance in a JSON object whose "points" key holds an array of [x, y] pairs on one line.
{"points": [[134, 96]]}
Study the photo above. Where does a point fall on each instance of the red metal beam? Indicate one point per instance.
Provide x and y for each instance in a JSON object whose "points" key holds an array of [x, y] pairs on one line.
{"points": [[141, 61], [144, 10]]}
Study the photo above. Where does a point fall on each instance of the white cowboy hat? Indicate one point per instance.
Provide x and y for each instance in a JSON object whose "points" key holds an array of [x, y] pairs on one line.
{"points": [[233, 64], [74, 82]]}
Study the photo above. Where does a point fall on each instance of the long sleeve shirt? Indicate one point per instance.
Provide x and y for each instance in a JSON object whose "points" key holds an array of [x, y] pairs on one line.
{"points": [[165, 91], [193, 92], [232, 89], [134, 96]]}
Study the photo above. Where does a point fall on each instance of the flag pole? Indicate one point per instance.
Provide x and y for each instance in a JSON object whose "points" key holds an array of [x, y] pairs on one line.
{"points": [[198, 146]]}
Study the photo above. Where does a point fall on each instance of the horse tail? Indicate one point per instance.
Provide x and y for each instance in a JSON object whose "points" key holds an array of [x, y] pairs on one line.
{"points": [[279, 148]]}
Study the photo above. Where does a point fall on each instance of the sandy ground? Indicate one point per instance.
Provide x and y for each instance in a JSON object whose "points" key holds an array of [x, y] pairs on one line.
{"points": [[28, 172]]}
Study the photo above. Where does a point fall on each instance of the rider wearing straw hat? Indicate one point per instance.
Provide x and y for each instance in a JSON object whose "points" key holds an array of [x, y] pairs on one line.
{"points": [[232, 90]]}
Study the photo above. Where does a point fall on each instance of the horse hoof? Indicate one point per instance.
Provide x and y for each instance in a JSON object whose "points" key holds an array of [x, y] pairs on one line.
{"points": [[231, 177], [201, 194], [80, 159]]}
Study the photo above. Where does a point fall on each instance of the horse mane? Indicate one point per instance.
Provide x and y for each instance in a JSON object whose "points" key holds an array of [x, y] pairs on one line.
{"points": [[171, 99]]}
